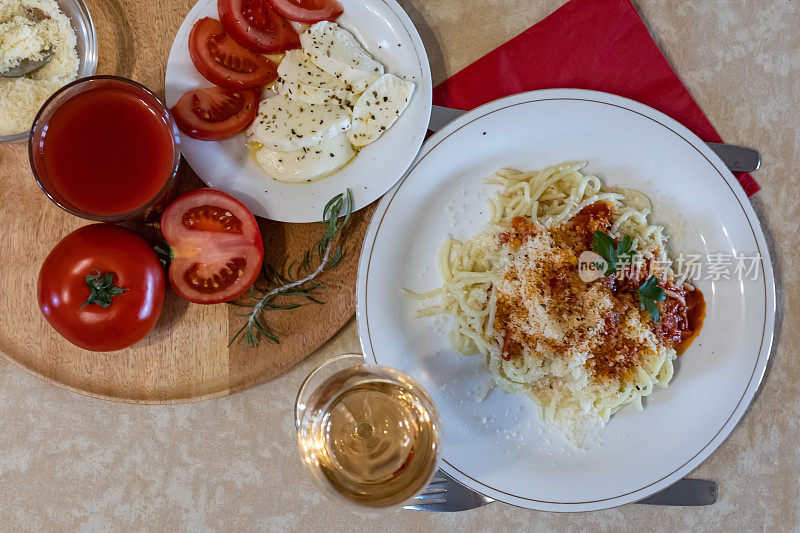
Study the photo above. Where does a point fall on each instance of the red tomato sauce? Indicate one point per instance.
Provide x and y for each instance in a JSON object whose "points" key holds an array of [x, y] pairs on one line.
{"points": [[107, 151], [695, 315]]}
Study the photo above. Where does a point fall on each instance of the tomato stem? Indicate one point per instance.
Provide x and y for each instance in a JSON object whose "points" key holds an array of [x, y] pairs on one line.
{"points": [[165, 253], [102, 289]]}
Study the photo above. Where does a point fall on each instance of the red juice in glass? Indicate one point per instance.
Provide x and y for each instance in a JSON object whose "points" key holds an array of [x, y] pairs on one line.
{"points": [[104, 148]]}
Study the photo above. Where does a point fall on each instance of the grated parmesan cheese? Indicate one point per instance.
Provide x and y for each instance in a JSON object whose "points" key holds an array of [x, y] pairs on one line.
{"points": [[20, 39], [23, 38], [570, 342]]}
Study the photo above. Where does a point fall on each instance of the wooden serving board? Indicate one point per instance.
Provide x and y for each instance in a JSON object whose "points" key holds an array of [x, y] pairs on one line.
{"points": [[186, 357]]}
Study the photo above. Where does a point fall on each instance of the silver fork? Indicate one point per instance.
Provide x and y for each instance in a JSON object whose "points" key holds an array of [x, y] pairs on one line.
{"points": [[445, 494]]}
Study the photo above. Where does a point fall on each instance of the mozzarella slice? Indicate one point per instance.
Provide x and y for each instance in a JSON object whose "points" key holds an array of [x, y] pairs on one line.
{"points": [[300, 79], [309, 163], [378, 108], [337, 52], [286, 125]]}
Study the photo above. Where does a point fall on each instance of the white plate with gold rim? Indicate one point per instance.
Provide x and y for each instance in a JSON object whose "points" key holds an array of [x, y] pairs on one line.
{"points": [[498, 447], [390, 37]]}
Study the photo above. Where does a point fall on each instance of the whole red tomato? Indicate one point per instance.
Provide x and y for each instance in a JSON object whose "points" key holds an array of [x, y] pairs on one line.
{"points": [[101, 288]]}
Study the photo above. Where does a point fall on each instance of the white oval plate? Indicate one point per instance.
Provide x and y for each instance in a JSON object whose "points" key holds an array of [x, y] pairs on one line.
{"points": [[389, 35], [498, 447]]}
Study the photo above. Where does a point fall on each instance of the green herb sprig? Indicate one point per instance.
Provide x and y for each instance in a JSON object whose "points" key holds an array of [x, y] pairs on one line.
{"points": [[614, 254], [297, 279], [650, 293], [620, 254]]}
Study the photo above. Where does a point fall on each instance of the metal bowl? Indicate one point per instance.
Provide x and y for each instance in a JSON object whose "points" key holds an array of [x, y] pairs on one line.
{"points": [[86, 46]]}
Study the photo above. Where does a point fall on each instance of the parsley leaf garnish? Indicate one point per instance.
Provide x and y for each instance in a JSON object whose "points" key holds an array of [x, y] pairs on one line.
{"points": [[615, 254], [603, 246], [620, 254], [624, 254], [649, 294]]}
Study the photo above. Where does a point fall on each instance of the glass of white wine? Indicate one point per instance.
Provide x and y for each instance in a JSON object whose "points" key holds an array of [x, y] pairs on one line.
{"points": [[368, 434]]}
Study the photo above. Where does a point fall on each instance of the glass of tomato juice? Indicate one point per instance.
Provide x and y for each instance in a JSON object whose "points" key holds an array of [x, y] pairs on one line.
{"points": [[104, 148]]}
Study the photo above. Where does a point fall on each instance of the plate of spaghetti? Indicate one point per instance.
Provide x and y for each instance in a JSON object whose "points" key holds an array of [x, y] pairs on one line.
{"points": [[583, 288]]}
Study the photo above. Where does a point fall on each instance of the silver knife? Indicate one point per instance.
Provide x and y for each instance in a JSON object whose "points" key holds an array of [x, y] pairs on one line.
{"points": [[685, 492], [736, 158]]}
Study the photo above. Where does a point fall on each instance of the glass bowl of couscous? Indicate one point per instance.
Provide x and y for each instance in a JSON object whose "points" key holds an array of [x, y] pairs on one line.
{"points": [[28, 28]]}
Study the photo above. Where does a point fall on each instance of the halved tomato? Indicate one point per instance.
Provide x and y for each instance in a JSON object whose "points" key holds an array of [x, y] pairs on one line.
{"points": [[216, 246], [308, 11], [223, 61], [257, 26], [215, 113]]}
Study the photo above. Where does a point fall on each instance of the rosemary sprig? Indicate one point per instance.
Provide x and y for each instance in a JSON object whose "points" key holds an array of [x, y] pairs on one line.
{"points": [[297, 279]]}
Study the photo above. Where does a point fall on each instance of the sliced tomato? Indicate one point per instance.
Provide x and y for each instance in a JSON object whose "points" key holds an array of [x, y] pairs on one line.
{"points": [[308, 11], [215, 113], [223, 61], [216, 246], [257, 26]]}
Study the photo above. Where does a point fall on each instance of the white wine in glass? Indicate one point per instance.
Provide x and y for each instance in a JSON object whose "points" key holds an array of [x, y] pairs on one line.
{"points": [[369, 433]]}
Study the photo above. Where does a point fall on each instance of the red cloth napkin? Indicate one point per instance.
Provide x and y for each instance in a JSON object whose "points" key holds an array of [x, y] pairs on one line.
{"points": [[586, 44]]}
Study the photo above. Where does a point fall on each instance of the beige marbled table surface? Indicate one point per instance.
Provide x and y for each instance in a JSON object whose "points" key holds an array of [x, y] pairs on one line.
{"points": [[68, 462]]}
